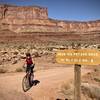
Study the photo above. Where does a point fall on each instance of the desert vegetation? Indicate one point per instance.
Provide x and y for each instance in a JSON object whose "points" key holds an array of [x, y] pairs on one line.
{"points": [[90, 86], [12, 54]]}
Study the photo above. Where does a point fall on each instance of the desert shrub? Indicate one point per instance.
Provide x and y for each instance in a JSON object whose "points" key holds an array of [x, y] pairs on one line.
{"points": [[97, 69], [97, 79], [22, 56], [19, 70], [66, 86], [3, 70], [36, 54], [49, 48], [67, 90], [21, 47], [91, 90], [14, 61], [15, 53], [98, 46]]}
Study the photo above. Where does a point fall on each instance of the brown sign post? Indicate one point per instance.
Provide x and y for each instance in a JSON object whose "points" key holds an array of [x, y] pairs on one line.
{"points": [[78, 57]]}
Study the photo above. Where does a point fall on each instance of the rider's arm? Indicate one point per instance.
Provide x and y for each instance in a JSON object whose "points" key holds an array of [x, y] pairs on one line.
{"points": [[25, 64], [33, 61]]}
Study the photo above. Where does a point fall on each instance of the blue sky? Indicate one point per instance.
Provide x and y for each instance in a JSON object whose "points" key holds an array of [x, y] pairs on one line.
{"points": [[79, 10]]}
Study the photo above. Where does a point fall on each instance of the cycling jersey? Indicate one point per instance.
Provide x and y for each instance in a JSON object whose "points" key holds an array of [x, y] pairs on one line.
{"points": [[29, 61]]}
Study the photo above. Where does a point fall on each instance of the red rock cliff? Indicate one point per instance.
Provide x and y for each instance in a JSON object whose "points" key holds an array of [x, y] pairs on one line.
{"points": [[35, 19], [23, 12]]}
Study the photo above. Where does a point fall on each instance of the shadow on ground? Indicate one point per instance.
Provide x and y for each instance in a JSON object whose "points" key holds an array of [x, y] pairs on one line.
{"points": [[34, 83]]}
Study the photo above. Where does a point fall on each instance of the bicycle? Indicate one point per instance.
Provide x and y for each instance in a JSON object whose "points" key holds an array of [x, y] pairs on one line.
{"points": [[27, 81]]}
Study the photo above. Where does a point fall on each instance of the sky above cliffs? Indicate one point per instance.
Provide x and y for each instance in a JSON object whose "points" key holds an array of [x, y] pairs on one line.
{"points": [[79, 10]]}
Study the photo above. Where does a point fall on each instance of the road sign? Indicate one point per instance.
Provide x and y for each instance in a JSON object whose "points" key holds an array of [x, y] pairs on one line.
{"points": [[79, 56]]}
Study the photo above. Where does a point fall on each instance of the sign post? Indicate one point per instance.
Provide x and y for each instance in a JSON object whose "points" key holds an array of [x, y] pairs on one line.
{"points": [[77, 82], [78, 57]]}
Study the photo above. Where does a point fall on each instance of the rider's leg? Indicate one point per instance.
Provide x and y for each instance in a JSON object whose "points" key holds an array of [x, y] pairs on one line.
{"points": [[31, 76], [27, 71]]}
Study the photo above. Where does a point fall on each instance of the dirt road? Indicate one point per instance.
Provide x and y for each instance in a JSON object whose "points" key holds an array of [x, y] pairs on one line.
{"points": [[50, 82]]}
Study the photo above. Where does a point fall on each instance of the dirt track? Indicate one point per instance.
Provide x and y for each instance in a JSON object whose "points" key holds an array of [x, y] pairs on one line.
{"points": [[50, 81]]}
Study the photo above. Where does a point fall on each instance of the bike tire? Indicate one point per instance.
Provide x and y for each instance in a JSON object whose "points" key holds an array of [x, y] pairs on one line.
{"points": [[25, 84]]}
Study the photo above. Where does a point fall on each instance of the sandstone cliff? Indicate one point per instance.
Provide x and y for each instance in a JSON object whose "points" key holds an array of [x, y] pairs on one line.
{"points": [[22, 12], [35, 19]]}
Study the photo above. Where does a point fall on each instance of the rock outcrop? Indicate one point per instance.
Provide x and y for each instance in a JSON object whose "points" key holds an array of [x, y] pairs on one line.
{"points": [[35, 19], [22, 12]]}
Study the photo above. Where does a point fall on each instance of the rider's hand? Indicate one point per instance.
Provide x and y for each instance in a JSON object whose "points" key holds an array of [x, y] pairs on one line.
{"points": [[34, 64]]}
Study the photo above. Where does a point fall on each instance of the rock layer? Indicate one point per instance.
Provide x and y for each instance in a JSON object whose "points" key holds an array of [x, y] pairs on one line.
{"points": [[35, 19]]}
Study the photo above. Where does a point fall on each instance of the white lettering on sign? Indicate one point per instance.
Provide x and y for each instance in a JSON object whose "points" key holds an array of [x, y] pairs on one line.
{"points": [[77, 54], [77, 60]]}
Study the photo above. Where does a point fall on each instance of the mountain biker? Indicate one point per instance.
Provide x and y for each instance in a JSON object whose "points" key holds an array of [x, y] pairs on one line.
{"points": [[29, 63]]}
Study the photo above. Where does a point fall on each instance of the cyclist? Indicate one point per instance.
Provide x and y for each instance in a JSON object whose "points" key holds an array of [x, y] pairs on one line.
{"points": [[29, 63]]}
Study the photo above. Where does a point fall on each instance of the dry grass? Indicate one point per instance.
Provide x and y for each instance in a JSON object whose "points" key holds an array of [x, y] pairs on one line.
{"points": [[19, 70], [67, 90], [2, 70], [66, 86], [90, 90]]}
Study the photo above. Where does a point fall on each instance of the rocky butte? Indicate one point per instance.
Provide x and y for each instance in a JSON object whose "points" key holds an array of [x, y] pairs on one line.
{"points": [[21, 19]]}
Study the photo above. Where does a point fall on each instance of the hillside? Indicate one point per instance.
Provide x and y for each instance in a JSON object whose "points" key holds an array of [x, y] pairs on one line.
{"points": [[31, 24]]}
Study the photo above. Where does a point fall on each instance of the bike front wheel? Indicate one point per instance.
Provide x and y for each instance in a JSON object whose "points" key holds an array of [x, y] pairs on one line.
{"points": [[25, 84]]}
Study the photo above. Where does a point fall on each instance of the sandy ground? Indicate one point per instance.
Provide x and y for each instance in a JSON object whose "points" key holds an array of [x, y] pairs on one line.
{"points": [[50, 82]]}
